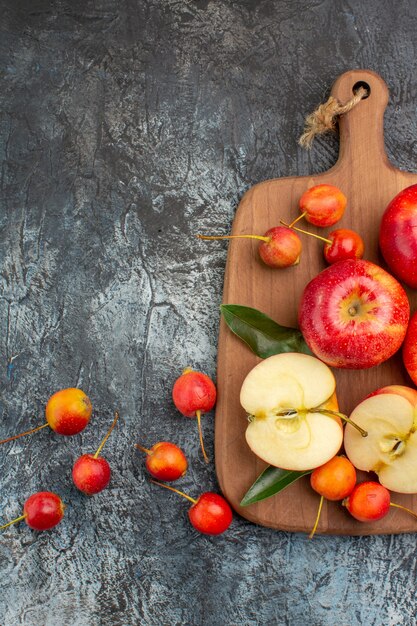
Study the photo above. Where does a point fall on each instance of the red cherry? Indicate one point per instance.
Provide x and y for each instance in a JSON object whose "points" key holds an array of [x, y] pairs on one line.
{"points": [[334, 481], [368, 502], [280, 246], [345, 244], [91, 473], [371, 501], [67, 412], [194, 393], [322, 205], [210, 514], [42, 510], [165, 460]]}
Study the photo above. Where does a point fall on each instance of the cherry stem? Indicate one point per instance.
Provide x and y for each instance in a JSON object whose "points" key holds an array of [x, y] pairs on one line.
{"points": [[14, 521], [200, 434], [181, 493], [28, 432], [101, 446], [260, 237], [403, 508], [142, 449], [300, 217], [306, 232], [343, 417], [316, 523]]}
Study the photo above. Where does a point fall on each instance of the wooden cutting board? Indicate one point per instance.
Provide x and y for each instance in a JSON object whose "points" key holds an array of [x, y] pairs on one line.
{"points": [[369, 181]]}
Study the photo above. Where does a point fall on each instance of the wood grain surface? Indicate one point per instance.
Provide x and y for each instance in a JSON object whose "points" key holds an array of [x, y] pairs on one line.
{"points": [[369, 181]]}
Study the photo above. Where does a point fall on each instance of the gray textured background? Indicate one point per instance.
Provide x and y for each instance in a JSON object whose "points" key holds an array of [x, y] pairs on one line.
{"points": [[127, 127]]}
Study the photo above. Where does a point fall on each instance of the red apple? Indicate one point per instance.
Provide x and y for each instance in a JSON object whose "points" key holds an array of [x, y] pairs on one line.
{"points": [[354, 314], [398, 236], [410, 349], [323, 205], [346, 244]]}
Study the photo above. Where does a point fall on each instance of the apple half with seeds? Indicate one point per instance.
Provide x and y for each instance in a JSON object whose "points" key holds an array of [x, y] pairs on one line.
{"points": [[389, 416], [292, 407]]}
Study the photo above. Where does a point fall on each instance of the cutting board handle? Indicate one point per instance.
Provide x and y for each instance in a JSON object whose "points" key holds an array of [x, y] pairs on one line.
{"points": [[362, 129]]}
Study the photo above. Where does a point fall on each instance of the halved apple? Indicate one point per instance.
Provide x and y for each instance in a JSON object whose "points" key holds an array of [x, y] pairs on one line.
{"points": [[292, 407], [390, 449]]}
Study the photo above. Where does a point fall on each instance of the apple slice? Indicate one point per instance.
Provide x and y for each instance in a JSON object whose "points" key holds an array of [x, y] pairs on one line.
{"points": [[286, 397], [390, 449]]}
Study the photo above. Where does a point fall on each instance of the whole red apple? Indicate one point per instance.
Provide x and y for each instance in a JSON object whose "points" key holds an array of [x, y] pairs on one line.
{"points": [[354, 314], [398, 236], [410, 349]]}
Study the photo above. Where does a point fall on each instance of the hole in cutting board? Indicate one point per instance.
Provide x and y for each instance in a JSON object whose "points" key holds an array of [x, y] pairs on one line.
{"points": [[361, 83]]}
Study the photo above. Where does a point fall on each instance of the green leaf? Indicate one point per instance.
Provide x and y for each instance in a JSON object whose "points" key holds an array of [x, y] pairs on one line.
{"points": [[263, 336], [271, 481]]}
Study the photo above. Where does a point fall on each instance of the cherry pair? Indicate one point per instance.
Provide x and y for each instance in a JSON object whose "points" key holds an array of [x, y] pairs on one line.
{"points": [[368, 501]]}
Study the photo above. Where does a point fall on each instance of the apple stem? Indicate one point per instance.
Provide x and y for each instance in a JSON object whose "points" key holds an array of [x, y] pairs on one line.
{"points": [[187, 370], [28, 432], [101, 446], [343, 417], [14, 521], [306, 232], [260, 237], [200, 434], [181, 493], [316, 523], [300, 217], [403, 508], [142, 449]]}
